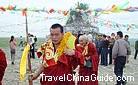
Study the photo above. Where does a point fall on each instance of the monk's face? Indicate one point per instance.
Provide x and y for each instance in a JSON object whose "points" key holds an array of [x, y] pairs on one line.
{"points": [[82, 42], [56, 35]]}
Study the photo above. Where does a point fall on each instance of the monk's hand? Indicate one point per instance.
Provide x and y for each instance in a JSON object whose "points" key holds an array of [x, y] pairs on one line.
{"points": [[69, 52], [35, 75], [87, 58], [32, 76]]}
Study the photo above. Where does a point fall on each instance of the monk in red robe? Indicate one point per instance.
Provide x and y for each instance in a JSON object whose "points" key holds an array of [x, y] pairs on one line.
{"points": [[59, 57], [3, 65], [91, 60]]}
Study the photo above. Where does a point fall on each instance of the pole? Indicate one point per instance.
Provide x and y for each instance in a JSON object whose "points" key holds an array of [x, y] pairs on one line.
{"points": [[29, 60]]}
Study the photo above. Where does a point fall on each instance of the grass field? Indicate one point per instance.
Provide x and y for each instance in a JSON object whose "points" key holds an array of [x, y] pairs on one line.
{"points": [[4, 42]]}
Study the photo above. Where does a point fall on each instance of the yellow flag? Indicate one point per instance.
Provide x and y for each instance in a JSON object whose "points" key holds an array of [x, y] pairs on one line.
{"points": [[71, 42], [23, 62]]}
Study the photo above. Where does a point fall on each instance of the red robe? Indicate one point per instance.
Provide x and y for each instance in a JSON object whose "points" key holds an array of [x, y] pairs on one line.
{"points": [[84, 71], [63, 67], [3, 65]]}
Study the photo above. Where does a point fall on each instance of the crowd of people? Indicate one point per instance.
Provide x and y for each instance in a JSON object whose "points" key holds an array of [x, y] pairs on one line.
{"points": [[84, 56], [104, 45]]}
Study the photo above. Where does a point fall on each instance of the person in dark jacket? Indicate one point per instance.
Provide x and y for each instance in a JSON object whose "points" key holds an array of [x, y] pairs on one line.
{"points": [[104, 51], [136, 49]]}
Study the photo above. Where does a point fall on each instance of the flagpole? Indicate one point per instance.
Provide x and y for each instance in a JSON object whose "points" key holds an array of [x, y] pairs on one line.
{"points": [[29, 60]]}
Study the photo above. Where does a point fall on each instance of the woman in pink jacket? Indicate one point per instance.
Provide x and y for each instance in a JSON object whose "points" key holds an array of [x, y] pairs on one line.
{"points": [[12, 43]]}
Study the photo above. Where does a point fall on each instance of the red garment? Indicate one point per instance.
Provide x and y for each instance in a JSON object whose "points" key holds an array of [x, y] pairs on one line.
{"points": [[85, 71], [63, 68], [3, 64]]}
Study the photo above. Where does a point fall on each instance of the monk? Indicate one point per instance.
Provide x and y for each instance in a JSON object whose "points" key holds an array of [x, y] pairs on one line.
{"points": [[59, 58], [91, 60], [3, 65]]}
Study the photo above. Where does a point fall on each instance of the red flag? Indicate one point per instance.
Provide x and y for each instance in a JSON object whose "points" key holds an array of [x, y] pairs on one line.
{"points": [[2, 8], [10, 7], [51, 10], [65, 13], [24, 12]]}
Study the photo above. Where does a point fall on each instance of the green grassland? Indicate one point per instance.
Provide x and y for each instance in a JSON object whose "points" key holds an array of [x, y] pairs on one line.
{"points": [[4, 42]]}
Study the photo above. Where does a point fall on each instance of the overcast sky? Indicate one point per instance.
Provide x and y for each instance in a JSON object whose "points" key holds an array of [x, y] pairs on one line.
{"points": [[65, 4], [7, 18]]}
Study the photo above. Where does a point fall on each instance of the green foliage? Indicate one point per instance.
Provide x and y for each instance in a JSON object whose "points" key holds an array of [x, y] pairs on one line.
{"points": [[80, 6], [83, 6], [73, 12]]}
